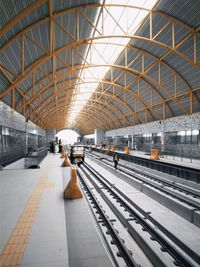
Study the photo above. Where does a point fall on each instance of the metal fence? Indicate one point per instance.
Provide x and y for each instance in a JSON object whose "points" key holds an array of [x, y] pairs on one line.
{"points": [[185, 153], [182, 153], [190, 152]]}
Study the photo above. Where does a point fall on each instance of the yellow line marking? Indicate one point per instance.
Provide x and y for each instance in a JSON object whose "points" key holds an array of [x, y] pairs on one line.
{"points": [[14, 249]]}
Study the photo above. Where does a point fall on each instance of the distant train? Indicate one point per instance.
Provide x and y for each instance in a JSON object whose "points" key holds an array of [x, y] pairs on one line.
{"points": [[77, 154]]}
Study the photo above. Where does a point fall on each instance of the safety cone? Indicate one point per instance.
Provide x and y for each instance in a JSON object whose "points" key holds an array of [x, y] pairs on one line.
{"points": [[65, 162], [155, 154], [126, 150], [63, 154], [72, 190], [112, 148]]}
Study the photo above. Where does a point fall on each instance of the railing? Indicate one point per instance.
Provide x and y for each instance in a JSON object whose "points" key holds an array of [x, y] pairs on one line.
{"points": [[182, 153], [176, 152], [186, 153]]}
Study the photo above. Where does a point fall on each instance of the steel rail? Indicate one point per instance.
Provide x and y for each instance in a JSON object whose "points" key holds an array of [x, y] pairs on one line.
{"points": [[165, 183], [178, 187], [164, 190], [123, 251], [179, 259]]}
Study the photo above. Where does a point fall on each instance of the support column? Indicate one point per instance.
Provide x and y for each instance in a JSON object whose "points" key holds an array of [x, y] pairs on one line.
{"points": [[50, 134], [132, 141], [99, 136]]}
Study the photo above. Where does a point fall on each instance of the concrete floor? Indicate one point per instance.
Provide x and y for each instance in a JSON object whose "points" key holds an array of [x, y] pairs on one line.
{"points": [[38, 228]]}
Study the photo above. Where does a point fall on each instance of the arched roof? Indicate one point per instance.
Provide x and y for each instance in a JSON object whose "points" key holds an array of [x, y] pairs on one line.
{"points": [[47, 46]]}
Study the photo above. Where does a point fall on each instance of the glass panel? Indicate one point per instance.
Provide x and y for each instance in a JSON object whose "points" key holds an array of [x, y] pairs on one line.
{"points": [[78, 149]]}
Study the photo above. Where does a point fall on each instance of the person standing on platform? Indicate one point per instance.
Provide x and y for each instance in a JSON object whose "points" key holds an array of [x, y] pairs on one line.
{"points": [[115, 159], [60, 146], [51, 146], [71, 157]]}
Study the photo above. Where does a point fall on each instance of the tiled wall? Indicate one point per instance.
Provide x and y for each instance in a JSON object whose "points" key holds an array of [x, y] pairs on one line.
{"points": [[182, 123]]}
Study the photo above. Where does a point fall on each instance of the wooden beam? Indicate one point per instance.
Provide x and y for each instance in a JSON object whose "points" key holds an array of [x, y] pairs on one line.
{"points": [[43, 59], [20, 15], [13, 99], [23, 105]]}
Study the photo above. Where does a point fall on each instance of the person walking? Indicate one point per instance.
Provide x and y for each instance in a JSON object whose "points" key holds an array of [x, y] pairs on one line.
{"points": [[115, 159]]}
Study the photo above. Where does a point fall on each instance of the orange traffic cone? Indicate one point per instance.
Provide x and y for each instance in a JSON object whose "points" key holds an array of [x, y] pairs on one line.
{"points": [[112, 148], [63, 155], [65, 162], [72, 190], [155, 154], [126, 150]]}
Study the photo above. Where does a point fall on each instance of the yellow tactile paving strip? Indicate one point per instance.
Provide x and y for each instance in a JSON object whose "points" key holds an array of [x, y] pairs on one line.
{"points": [[14, 249]]}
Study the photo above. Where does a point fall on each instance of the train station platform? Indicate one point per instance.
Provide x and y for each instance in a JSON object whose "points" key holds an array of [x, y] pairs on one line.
{"points": [[186, 162], [38, 227]]}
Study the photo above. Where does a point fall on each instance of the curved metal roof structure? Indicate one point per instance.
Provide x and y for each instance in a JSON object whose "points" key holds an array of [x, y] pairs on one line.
{"points": [[47, 50]]}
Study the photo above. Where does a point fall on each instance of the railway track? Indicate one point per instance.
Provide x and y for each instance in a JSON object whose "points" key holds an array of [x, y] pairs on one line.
{"points": [[158, 244], [187, 195], [105, 222], [183, 172]]}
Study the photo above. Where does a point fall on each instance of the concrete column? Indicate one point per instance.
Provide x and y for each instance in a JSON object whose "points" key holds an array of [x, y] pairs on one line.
{"points": [[99, 136], [132, 142], [50, 134]]}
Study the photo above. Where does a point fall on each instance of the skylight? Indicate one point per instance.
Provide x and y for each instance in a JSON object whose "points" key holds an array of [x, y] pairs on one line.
{"points": [[118, 21]]}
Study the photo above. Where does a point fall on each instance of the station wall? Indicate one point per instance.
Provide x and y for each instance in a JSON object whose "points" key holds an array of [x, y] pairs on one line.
{"points": [[12, 119], [18, 136], [179, 136], [182, 123]]}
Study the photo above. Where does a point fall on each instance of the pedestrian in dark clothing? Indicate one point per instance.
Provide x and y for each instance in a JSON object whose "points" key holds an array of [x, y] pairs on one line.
{"points": [[50, 149], [52, 146], [71, 157], [60, 146], [115, 159]]}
